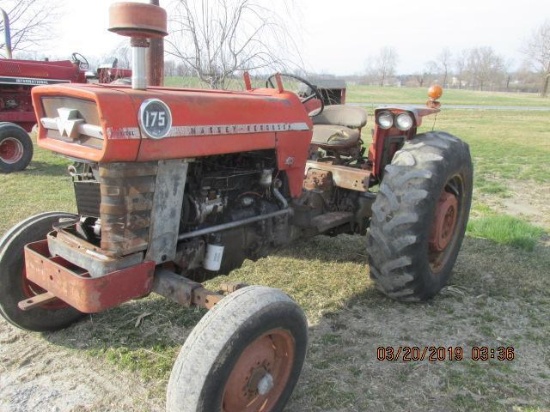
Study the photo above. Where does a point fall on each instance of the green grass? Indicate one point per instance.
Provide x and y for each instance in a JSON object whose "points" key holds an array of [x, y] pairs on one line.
{"points": [[498, 294], [418, 95], [511, 145], [402, 95], [506, 230]]}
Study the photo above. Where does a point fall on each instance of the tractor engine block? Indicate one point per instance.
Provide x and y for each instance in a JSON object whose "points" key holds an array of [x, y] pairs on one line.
{"points": [[115, 204]]}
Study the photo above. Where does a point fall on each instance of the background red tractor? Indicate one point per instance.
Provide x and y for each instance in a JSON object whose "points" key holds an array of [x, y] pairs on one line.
{"points": [[17, 78], [17, 118], [182, 185]]}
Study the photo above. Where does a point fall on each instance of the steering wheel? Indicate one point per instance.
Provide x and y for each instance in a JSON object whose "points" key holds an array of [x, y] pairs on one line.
{"points": [[81, 60], [306, 94]]}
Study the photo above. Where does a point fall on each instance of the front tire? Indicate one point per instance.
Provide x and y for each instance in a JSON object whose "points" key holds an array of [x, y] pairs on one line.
{"points": [[419, 216], [16, 148], [15, 287], [245, 355]]}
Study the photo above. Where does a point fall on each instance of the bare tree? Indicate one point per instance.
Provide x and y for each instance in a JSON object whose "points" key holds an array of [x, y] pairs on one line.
{"points": [[217, 38], [442, 66], [420, 77], [537, 50], [485, 69], [382, 67], [31, 22], [122, 53], [169, 68], [461, 64]]}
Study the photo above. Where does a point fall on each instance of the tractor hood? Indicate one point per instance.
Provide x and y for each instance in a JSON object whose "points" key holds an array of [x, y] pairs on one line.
{"points": [[115, 123]]}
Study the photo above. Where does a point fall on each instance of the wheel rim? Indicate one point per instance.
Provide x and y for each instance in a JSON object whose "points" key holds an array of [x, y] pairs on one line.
{"points": [[261, 373], [11, 150], [447, 215]]}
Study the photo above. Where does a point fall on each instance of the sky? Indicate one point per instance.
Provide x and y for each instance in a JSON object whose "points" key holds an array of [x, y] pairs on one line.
{"points": [[341, 36]]}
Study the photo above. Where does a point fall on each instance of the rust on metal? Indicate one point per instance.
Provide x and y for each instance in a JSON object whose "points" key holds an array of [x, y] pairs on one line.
{"points": [[189, 254], [137, 20], [247, 81], [446, 216], [205, 298], [75, 286], [127, 191], [318, 179], [174, 287], [230, 287], [183, 291], [261, 373], [37, 301], [344, 176], [155, 58], [85, 255]]}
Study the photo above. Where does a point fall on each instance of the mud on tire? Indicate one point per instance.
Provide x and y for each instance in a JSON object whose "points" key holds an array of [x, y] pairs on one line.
{"points": [[419, 216]]}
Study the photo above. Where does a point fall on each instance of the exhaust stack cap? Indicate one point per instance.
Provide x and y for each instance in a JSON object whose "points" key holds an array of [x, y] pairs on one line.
{"points": [[140, 22]]}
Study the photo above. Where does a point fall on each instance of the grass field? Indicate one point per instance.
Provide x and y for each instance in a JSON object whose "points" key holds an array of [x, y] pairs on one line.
{"points": [[498, 296], [370, 95], [362, 94]]}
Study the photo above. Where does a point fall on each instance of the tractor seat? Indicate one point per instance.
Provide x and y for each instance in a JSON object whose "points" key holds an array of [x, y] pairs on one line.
{"points": [[338, 126]]}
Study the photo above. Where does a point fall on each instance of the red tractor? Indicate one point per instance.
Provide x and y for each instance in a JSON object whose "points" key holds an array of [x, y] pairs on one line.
{"points": [[182, 185], [17, 78]]}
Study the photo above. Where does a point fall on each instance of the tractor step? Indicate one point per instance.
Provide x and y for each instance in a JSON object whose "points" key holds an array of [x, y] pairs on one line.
{"points": [[331, 220]]}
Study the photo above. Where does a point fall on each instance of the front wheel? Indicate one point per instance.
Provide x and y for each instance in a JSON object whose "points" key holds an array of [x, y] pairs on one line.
{"points": [[245, 355], [14, 285], [419, 216], [16, 148]]}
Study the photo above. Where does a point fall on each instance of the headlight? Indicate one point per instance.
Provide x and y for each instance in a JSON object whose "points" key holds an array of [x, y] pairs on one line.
{"points": [[404, 121], [385, 120]]}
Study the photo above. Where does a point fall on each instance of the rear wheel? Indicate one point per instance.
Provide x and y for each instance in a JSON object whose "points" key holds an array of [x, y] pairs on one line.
{"points": [[419, 216], [15, 287], [245, 355], [16, 148]]}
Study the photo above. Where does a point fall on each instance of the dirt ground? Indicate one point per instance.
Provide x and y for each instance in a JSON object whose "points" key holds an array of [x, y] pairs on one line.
{"points": [[526, 200], [36, 375]]}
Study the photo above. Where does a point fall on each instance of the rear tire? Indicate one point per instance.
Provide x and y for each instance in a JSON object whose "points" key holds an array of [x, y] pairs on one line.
{"points": [[245, 355], [15, 287], [16, 148], [419, 216]]}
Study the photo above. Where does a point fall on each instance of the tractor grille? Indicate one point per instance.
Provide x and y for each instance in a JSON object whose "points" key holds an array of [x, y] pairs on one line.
{"points": [[81, 125], [88, 197], [127, 191]]}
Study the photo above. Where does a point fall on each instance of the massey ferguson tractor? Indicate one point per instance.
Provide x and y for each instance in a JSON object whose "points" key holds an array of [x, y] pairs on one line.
{"points": [[181, 185]]}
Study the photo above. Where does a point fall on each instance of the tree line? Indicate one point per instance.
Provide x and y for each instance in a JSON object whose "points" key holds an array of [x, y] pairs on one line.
{"points": [[478, 68]]}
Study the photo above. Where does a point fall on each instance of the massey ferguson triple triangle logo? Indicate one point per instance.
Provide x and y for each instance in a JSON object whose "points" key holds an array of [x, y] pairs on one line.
{"points": [[68, 122]]}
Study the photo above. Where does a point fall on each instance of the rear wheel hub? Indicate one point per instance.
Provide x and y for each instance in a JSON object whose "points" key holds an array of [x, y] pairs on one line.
{"points": [[260, 374], [446, 216]]}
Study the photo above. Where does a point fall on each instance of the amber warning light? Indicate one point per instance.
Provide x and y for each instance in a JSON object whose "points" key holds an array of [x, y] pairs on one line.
{"points": [[434, 93]]}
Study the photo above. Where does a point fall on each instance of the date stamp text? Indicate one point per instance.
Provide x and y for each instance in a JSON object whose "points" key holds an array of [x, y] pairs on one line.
{"points": [[444, 353]]}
